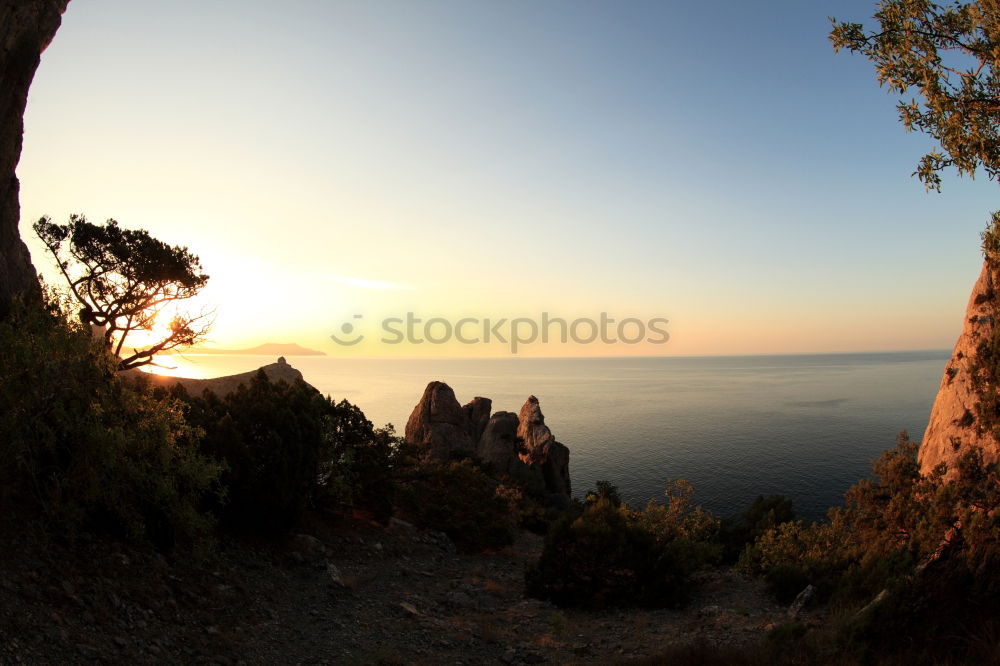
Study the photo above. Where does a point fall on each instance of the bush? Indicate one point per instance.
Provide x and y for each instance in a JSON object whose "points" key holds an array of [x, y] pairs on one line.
{"points": [[459, 499], [862, 547], [932, 545], [84, 449], [360, 463], [614, 556], [272, 438], [764, 514]]}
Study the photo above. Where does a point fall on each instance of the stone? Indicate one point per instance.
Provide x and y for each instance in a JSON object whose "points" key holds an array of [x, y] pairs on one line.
{"points": [[879, 598], [410, 609], [26, 28], [477, 415], [500, 448], [801, 601], [519, 446], [309, 547], [499, 443], [439, 424], [951, 430], [400, 526], [541, 448], [333, 573]]}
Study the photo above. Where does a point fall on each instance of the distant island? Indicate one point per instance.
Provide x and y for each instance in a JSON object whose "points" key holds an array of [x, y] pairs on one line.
{"points": [[266, 349]]}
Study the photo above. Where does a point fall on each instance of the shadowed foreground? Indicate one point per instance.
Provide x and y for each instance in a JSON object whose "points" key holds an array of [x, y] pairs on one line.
{"points": [[354, 593]]}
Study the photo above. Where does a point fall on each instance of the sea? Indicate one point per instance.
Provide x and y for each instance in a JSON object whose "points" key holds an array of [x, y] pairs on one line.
{"points": [[805, 426]]}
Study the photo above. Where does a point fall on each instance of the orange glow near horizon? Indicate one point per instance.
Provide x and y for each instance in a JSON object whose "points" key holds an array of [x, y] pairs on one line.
{"points": [[384, 173]]}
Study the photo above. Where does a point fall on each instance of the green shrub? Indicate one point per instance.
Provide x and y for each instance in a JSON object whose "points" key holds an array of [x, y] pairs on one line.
{"points": [[764, 514], [932, 545], [863, 546], [613, 556], [459, 499], [991, 239], [272, 438], [361, 461], [87, 450], [603, 490]]}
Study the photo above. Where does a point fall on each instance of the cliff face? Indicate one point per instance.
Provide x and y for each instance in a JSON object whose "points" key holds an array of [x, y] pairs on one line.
{"points": [[26, 28], [518, 445], [952, 429]]}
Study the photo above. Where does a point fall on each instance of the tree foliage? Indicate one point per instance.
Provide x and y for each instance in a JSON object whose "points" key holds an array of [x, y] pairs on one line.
{"points": [[272, 438], [613, 555], [459, 499], [124, 280], [931, 542], [84, 449], [950, 55]]}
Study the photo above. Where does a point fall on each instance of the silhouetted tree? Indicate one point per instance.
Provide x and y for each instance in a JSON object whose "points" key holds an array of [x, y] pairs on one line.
{"points": [[124, 280]]}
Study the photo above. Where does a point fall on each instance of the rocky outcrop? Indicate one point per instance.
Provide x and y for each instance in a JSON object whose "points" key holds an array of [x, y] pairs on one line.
{"points": [[952, 428], [477, 414], [26, 28], [499, 446], [517, 445], [439, 424], [541, 448], [221, 386]]}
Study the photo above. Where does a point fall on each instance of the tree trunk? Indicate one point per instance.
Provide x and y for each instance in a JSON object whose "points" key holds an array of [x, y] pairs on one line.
{"points": [[26, 28]]}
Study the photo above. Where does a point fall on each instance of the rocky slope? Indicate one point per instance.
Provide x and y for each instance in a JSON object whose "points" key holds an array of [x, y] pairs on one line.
{"points": [[223, 385], [346, 592], [26, 28], [521, 445], [952, 428]]}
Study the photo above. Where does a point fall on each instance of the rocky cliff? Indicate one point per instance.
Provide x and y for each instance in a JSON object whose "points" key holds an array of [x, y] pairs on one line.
{"points": [[517, 445], [953, 426], [26, 28]]}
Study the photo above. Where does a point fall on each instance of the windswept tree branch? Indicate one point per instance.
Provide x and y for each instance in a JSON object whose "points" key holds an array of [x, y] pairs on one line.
{"points": [[123, 280]]}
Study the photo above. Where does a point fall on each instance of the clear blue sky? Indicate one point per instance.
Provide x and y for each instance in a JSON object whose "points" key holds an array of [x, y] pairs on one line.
{"points": [[713, 163]]}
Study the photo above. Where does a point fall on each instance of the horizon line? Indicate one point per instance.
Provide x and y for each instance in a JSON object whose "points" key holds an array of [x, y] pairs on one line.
{"points": [[611, 357]]}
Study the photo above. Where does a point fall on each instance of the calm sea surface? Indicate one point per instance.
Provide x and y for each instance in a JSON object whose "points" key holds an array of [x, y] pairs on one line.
{"points": [[805, 426]]}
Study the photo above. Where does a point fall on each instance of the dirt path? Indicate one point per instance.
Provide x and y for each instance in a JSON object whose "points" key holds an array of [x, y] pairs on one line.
{"points": [[353, 593]]}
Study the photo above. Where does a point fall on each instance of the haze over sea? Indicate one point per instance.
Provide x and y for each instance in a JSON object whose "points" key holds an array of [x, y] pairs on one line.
{"points": [[806, 426]]}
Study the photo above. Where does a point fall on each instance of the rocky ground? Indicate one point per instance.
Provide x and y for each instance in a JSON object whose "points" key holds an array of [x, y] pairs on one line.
{"points": [[348, 592]]}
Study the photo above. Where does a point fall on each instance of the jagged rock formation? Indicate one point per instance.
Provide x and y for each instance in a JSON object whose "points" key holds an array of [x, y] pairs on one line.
{"points": [[518, 445], [542, 449], [221, 386], [438, 423], [26, 28], [477, 415], [952, 429], [499, 445]]}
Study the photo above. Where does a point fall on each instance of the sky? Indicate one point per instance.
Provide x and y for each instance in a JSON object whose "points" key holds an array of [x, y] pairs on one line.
{"points": [[337, 164]]}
